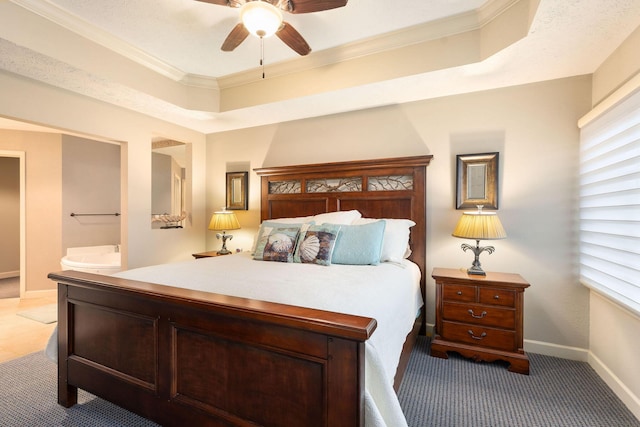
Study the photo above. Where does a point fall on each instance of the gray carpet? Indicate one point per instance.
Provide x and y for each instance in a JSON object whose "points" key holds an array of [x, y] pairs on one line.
{"points": [[458, 392], [436, 392], [29, 400]]}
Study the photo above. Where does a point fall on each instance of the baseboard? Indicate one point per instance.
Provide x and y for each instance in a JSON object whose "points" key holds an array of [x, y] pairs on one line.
{"points": [[555, 350], [9, 274], [616, 385], [41, 294], [582, 355], [430, 328], [630, 400]]}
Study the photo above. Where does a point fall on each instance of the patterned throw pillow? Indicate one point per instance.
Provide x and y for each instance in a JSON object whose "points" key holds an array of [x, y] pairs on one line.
{"points": [[315, 243], [282, 222], [276, 243]]}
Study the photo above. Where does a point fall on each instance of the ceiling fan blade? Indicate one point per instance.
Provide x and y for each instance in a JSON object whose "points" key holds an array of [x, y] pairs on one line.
{"points": [[235, 37], [309, 6], [218, 2], [293, 39]]}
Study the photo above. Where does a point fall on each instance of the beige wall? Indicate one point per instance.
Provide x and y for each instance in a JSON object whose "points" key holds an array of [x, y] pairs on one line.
{"points": [[614, 348], [9, 216], [613, 331], [95, 120], [534, 129], [43, 201], [623, 64], [90, 185]]}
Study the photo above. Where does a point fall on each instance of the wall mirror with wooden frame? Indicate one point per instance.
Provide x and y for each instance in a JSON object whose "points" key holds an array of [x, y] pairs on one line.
{"points": [[477, 180], [170, 175], [237, 191]]}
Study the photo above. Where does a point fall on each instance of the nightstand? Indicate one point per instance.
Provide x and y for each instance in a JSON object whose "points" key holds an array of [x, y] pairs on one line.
{"points": [[208, 254], [480, 317]]}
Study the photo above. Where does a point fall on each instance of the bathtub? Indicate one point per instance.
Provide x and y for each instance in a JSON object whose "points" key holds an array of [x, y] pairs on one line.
{"points": [[93, 259]]}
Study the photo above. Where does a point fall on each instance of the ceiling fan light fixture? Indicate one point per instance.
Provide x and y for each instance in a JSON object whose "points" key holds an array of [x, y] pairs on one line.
{"points": [[260, 18]]}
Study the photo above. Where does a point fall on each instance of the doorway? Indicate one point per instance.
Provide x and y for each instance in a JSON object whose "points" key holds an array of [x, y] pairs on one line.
{"points": [[12, 224]]}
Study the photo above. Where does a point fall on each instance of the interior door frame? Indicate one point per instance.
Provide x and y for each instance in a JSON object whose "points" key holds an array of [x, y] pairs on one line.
{"points": [[21, 155]]}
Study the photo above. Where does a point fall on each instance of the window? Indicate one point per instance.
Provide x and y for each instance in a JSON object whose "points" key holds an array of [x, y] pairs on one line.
{"points": [[610, 202]]}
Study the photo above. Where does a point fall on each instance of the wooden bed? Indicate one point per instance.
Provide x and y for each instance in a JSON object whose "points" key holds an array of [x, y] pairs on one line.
{"points": [[145, 347]]}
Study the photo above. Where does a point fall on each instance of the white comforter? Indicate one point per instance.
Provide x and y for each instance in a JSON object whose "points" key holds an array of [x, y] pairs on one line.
{"points": [[389, 293]]}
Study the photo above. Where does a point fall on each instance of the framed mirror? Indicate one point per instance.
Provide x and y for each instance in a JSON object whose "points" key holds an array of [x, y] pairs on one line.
{"points": [[170, 174], [237, 191], [477, 180]]}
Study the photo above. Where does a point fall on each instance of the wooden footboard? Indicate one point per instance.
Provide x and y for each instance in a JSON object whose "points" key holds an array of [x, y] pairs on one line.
{"points": [[182, 357]]}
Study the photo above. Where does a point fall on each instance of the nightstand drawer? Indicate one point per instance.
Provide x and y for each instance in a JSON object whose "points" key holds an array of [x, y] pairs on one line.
{"points": [[459, 293], [480, 315], [479, 336], [503, 297]]}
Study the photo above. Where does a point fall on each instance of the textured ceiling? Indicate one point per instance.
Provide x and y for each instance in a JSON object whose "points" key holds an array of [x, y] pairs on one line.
{"points": [[179, 40], [188, 34]]}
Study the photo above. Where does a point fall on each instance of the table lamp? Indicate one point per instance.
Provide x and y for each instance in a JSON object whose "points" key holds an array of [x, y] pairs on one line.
{"points": [[479, 225], [222, 221]]}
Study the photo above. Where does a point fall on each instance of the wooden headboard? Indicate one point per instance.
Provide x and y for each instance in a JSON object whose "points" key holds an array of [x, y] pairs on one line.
{"points": [[380, 188]]}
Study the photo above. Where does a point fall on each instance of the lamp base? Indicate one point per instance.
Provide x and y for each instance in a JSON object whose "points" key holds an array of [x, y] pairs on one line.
{"points": [[475, 268], [476, 271], [224, 236]]}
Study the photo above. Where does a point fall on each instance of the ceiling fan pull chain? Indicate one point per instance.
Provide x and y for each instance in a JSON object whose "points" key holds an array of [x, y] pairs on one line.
{"points": [[262, 55]]}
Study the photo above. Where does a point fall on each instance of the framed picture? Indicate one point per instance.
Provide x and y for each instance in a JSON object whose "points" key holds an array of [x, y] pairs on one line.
{"points": [[237, 191], [477, 180]]}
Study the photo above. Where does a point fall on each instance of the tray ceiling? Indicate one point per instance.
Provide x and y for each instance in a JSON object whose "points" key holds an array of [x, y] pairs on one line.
{"points": [[163, 58]]}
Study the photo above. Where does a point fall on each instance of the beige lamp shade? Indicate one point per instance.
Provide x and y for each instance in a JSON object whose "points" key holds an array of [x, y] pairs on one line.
{"points": [[224, 220], [479, 225]]}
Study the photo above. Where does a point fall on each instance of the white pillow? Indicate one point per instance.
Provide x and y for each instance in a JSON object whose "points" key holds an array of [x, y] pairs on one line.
{"points": [[340, 217], [395, 243], [296, 220]]}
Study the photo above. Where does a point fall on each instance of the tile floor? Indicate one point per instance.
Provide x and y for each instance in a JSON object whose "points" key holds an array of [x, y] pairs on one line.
{"points": [[20, 336]]}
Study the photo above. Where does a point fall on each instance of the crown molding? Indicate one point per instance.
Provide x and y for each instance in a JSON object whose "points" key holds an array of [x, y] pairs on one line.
{"points": [[441, 28], [79, 26]]}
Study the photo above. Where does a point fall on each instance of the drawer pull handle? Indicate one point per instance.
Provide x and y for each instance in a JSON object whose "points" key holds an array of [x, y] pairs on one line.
{"points": [[482, 335], [459, 293], [496, 297], [476, 316]]}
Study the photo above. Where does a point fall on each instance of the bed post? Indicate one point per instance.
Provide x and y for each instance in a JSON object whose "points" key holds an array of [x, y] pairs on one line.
{"points": [[67, 394]]}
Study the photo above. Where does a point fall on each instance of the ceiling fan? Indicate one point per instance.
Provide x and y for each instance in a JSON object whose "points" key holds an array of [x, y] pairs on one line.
{"points": [[263, 18]]}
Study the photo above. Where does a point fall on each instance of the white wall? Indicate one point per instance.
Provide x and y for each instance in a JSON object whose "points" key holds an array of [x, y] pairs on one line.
{"points": [[534, 127]]}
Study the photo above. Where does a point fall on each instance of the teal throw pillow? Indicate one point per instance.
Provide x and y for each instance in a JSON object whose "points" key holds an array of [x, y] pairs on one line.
{"points": [[359, 244]]}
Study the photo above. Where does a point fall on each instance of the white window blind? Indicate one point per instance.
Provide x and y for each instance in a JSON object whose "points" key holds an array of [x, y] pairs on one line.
{"points": [[610, 203]]}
